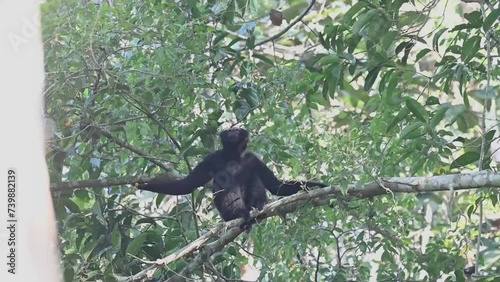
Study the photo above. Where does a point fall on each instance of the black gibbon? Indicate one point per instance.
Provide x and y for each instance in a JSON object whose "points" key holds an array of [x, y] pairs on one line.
{"points": [[239, 179]]}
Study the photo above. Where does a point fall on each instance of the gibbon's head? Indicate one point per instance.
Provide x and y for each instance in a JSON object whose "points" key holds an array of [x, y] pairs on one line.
{"points": [[234, 139]]}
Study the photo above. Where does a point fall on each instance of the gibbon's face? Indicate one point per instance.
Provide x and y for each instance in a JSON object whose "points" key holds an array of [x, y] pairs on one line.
{"points": [[234, 138]]}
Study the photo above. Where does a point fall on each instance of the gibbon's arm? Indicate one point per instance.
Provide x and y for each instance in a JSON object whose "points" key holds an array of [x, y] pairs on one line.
{"points": [[200, 175], [277, 187]]}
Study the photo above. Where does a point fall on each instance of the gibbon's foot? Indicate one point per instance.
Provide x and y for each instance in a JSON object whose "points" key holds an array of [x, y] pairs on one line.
{"points": [[246, 226]]}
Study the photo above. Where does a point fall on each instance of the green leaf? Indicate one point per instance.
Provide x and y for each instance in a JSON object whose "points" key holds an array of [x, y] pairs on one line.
{"points": [[147, 220], [386, 256], [232, 251], [490, 135], [251, 42], [417, 165], [69, 274], [159, 199], [116, 237], [228, 15], [459, 276], [417, 109], [462, 27], [87, 249], [398, 118], [334, 80], [264, 59], [70, 205], [466, 100], [475, 21], [422, 53], [325, 87], [455, 49], [404, 156], [432, 101], [362, 21], [490, 19], [411, 18], [494, 199], [383, 80], [470, 210], [371, 77], [393, 83], [219, 38], [409, 129], [435, 39], [352, 42], [251, 96], [475, 18], [401, 46], [349, 15], [242, 5], [465, 159], [234, 41], [332, 35], [325, 44], [388, 39], [330, 59], [470, 48], [136, 244], [437, 117], [294, 10]]}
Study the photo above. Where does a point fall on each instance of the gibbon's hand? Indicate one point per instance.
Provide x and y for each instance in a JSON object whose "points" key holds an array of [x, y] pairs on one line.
{"points": [[307, 185], [137, 185]]}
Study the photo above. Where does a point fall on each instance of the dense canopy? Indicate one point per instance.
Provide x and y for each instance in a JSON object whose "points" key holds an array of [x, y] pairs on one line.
{"points": [[392, 104]]}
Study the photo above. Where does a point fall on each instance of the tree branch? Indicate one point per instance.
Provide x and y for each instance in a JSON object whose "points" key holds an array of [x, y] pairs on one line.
{"points": [[287, 28], [190, 248], [133, 149], [321, 197], [171, 173], [103, 183], [206, 253]]}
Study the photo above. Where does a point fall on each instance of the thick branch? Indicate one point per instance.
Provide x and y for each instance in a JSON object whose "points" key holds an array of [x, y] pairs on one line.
{"points": [[206, 253], [102, 183], [320, 197], [191, 247]]}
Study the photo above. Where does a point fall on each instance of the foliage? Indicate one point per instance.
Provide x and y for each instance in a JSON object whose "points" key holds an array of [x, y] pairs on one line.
{"points": [[390, 88]]}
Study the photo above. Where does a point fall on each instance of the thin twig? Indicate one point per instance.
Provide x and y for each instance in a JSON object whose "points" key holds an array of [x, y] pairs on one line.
{"points": [[287, 28], [483, 140], [317, 266]]}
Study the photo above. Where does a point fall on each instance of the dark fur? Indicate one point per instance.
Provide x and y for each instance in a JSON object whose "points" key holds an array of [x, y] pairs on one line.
{"points": [[240, 179]]}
